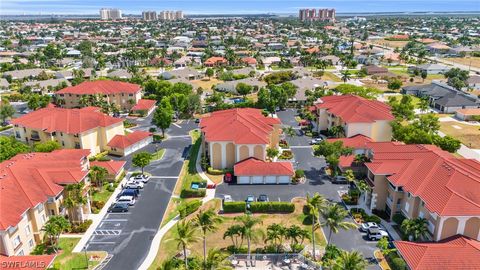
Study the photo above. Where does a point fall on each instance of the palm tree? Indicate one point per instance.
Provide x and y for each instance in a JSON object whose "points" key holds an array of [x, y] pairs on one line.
{"points": [[345, 75], [185, 234], [248, 223], [415, 228], [337, 131], [55, 226], [97, 175], [74, 199], [234, 232], [294, 233], [207, 221], [314, 205], [168, 265], [350, 261], [289, 131], [217, 259], [334, 218], [276, 232]]}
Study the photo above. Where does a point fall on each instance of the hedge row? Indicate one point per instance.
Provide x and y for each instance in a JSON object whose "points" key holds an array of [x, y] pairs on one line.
{"points": [[213, 171], [187, 208], [259, 207], [193, 193]]}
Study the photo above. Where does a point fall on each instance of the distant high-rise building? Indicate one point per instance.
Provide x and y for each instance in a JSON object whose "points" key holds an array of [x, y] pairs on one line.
{"points": [[167, 15], [149, 15], [110, 14], [314, 15]]}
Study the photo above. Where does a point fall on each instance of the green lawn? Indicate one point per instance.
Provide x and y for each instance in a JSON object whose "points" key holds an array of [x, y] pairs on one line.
{"points": [[191, 174], [415, 100], [68, 260], [103, 195], [158, 155]]}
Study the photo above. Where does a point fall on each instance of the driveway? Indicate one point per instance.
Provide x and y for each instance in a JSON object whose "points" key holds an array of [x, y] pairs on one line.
{"points": [[127, 236]]}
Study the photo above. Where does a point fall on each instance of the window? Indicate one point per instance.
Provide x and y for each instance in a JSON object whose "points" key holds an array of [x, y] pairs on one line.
{"points": [[40, 207], [52, 212], [407, 207], [422, 203], [44, 218], [77, 145], [63, 143], [61, 133], [17, 134], [27, 230], [408, 195], [16, 241], [21, 253], [31, 243], [130, 95]]}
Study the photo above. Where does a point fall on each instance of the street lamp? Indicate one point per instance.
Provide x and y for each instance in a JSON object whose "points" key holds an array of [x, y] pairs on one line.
{"points": [[86, 256]]}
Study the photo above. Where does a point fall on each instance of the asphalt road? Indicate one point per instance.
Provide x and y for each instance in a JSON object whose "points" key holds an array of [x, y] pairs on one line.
{"points": [[127, 236]]}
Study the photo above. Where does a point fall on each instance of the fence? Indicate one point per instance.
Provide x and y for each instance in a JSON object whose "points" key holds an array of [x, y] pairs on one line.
{"points": [[284, 259]]}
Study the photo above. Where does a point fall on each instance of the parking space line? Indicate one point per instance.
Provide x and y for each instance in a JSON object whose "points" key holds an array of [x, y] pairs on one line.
{"points": [[114, 220], [166, 177], [101, 243]]}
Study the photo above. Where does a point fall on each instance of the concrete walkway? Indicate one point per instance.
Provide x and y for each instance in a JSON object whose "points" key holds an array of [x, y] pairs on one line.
{"points": [[97, 218], [155, 246]]}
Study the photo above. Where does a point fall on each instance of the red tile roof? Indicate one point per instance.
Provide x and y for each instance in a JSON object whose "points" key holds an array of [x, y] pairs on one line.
{"points": [[253, 166], [113, 166], [357, 142], [454, 253], [249, 60], [31, 262], [240, 126], [71, 121], [101, 87], [124, 141], [449, 186], [355, 109], [215, 59], [30, 179], [144, 105]]}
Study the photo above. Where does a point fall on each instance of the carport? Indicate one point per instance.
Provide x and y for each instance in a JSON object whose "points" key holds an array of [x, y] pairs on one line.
{"points": [[255, 171]]}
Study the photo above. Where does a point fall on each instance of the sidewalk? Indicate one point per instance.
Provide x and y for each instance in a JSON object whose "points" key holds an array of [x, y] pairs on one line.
{"points": [[155, 246], [97, 218], [464, 150]]}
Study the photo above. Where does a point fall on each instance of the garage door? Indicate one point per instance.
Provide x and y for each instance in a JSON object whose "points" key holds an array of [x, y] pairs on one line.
{"points": [[257, 180], [284, 179], [271, 180], [243, 180]]}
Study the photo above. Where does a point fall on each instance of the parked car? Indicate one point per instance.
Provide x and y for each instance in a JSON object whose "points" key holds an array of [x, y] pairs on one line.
{"points": [[197, 120], [134, 185], [227, 198], [140, 178], [262, 198], [375, 234], [367, 225], [118, 208], [339, 180], [250, 198], [227, 178], [129, 192], [315, 141], [126, 199]]}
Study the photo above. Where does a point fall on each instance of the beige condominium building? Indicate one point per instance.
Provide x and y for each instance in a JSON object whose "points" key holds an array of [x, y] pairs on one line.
{"points": [[122, 94], [426, 182], [32, 190], [85, 128], [356, 115]]}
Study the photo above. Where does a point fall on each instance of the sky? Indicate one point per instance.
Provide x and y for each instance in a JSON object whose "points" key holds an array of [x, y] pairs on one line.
{"points": [[45, 7]]}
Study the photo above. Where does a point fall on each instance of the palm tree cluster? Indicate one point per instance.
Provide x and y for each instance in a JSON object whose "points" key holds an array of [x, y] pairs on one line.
{"points": [[416, 229]]}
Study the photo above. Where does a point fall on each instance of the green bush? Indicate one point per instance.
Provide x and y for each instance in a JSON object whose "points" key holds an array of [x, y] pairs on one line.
{"points": [[82, 227], [272, 207], [234, 207], [398, 218], [372, 218], [157, 138], [395, 262], [299, 174], [212, 171], [349, 200], [187, 208], [193, 193]]}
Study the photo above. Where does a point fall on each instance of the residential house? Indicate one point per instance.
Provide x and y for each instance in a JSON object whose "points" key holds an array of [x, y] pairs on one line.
{"points": [[468, 114], [123, 94], [427, 182], [23, 73], [185, 73], [443, 97], [215, 61], [307, 83], [429, 68], [375, 70], [473, 83], [46, 85], [230, 86], [356, 115], [85, 128], [119, 73], [144, 107], [124, 145], [32, 190], [250, 61], [4, 85]]}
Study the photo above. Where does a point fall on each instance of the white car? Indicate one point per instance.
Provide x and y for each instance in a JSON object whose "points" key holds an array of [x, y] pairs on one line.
{"points": [[316, 141], [134, 184], [126, 199], [140, 178], [376, 234], [227, 198], [368, 225]]}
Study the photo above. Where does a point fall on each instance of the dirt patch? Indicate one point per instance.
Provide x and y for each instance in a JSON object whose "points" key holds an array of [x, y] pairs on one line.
{"points": [[467, 134], [467, 61]]}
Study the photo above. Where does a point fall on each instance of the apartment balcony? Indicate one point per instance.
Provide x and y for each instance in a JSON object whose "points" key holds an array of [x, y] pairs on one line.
{"points": [[34, 138]]}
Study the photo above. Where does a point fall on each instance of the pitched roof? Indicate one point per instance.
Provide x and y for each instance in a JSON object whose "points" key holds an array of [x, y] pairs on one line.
{"points": [[449, 186], [124, 141], [113, 166], [357, 142], [144, 105], [101, 87], [457, 252], [253, 166], [241, 126], [71, 121], [355, 109], [28, 262], [30, 179]]}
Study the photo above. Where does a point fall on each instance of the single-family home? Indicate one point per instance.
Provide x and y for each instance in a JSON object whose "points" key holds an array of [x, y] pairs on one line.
{"points": [[430, 68], [215, 61], [230, 86], [185, 73], [468, 114]]}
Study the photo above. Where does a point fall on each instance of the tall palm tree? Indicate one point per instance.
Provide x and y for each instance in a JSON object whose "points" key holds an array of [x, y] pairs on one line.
{"points": [[217, 259], [248, 223], [275, 234], [294, 233], [74, 199], [234, 232], [97, 175], [350, 261], [289, 131], [168, 265], [314, 205], [345, 75], [207, 221], [185, 234], [415, 228], [334, 218]]}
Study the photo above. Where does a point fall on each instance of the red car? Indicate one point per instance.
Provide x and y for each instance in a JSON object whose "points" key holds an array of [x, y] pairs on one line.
{"points": [[227, 178], [211, 186]]}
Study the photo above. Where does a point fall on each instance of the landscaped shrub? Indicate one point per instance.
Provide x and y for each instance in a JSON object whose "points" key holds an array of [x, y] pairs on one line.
{"points": [[193, 193], [187, 208], [213, 171], [372, 218], [82, 227], [395, 262], [398, 218], [234, 207], [157, 138], [287, 154], [272, 207], [349, 200]]}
